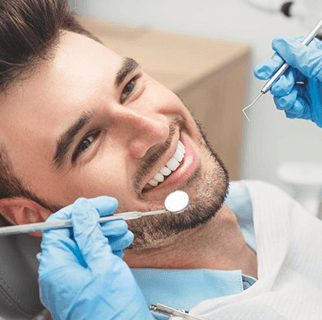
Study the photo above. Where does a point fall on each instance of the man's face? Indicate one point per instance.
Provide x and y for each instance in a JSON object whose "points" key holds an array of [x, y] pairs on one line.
{"points": [[90, 123]]}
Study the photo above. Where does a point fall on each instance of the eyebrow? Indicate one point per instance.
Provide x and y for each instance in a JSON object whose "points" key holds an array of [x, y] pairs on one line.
{"points": [[66, 140], [128, 66]]}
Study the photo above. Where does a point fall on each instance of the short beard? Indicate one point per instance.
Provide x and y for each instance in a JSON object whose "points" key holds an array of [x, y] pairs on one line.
{"points": [[209, 195]]}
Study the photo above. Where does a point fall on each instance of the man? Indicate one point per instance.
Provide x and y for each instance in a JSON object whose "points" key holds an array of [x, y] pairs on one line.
{"points": [[79, 121]]}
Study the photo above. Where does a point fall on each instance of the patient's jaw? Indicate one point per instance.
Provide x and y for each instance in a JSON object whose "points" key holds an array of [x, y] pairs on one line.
{"points": [[72, 130]]}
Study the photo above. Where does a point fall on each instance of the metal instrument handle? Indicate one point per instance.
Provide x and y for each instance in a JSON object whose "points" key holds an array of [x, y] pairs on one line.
{"points": [[285, 66], [173, 312], [41, 226]]}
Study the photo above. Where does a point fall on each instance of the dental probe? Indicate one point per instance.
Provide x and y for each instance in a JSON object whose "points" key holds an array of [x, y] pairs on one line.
{"points": [[284, 66], [175, 202]]}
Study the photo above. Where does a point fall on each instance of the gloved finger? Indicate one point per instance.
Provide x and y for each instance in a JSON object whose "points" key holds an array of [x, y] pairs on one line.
{"points": [[297, 111], [267, 69], [121, 242], [315, 98], [114, 228], [104, 205], [307, 59], [88, 234], [286, 102], [284, 84], [290, 115], [119, 253]]}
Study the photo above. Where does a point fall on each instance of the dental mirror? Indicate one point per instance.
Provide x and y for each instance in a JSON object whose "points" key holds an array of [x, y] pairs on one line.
{"points": [[175, 202]]}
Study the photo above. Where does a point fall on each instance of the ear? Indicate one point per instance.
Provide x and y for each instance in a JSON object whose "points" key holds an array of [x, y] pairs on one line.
{"points": [[23, 211]]}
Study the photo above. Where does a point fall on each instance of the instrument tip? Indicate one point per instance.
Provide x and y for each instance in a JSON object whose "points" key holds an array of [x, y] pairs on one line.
{"points": [[251, 105], [245, 113]]}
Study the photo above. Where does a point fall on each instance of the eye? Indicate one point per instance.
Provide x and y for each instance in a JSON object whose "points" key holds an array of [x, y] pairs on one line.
{"points": [[128, 89], [84, 145]]}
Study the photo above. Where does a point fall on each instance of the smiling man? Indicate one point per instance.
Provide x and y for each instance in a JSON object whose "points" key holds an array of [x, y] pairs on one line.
{"points": [[95, 124], [79, 121]]}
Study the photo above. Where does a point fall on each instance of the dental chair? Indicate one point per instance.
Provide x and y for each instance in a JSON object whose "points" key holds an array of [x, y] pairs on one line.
{"points": [[19, 292]]}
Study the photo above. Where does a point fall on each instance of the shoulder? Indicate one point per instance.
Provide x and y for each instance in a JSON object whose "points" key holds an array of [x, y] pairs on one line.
{"points": [[260, 191], [245, 197]]}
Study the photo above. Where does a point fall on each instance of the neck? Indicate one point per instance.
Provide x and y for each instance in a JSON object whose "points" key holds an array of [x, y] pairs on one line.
{"points": [[217, 245]]}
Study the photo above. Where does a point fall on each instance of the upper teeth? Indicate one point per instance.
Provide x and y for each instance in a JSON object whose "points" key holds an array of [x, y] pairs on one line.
{"points": [[171, 165]]}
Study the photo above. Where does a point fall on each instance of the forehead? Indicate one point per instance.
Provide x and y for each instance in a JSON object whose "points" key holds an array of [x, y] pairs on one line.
{"points": [[79, 66], [83, 61]]}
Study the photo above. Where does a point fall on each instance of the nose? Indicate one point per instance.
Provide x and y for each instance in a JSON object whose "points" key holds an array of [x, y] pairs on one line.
{"points": [[142, 131]]}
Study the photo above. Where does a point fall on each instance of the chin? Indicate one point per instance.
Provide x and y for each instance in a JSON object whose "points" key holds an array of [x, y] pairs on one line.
{"points": [[207, 190]]}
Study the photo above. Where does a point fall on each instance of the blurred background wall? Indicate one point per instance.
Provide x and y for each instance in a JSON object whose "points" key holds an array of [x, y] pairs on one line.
{"points": [[269, 138]]}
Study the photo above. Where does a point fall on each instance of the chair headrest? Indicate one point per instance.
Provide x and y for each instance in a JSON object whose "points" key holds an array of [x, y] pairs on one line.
{"points": [[19, 292]]}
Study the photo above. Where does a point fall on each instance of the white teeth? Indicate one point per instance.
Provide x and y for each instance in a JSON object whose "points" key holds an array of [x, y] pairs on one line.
{"points": [[171, 166], [178, 155], [181, 146], [159, 177], [165, 171], [153, 183]]}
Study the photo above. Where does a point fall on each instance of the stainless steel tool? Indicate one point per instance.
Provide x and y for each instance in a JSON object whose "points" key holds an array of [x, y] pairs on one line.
{"points": [[175, 202], [284, 66]]}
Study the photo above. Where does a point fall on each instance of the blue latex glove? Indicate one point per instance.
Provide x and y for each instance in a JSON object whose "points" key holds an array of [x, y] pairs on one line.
{"points": [[81, 275], [298, 101]]}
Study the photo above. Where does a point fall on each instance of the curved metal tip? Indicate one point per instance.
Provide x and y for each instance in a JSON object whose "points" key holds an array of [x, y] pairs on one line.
{"points": [[252, 105]]}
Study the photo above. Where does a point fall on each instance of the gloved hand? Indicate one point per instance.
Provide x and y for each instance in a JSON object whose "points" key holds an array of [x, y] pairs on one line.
{"points": [[81, 274], [298, 101]]}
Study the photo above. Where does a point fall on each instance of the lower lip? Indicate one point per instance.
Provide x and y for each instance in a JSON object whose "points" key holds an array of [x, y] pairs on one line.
{"points": [[184, 171]]}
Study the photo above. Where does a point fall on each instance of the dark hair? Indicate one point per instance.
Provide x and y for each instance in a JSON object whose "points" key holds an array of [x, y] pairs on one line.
{"points": [[29, 31]]}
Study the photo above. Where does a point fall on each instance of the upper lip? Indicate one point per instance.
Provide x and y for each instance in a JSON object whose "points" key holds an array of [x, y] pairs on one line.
{"points": [[162, 161]]}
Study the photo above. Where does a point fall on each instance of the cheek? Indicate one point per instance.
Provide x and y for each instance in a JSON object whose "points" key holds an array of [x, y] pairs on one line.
{"points": [[104, 178], [97, 178], [174, 106]]}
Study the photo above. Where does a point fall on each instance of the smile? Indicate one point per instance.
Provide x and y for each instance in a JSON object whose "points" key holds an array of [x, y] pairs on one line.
{"points": [[170, 167]]}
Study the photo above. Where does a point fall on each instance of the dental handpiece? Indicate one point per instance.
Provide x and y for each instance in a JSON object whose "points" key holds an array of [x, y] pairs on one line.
{"points": [[175, 202], [285, 66]]}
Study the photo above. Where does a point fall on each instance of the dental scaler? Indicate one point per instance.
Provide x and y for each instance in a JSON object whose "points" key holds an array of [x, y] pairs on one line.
{"points": [[175, 202], [285, 66]]}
